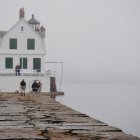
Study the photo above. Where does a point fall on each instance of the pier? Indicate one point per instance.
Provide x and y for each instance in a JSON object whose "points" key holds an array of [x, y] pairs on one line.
{"points": [[41, 117]]}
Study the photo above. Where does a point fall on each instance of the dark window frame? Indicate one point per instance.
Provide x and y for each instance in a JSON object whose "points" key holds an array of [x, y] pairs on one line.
{"points": [[37, 64], [30, 44], [22, 28], [8, 62], [13, 43], [25, 62]]}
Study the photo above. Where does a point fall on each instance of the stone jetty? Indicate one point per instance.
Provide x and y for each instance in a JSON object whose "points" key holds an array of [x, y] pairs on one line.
{"points": [[42, 118]]}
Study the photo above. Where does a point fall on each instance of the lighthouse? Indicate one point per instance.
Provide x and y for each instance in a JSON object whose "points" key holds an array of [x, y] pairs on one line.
{"points": [[24, 45]]}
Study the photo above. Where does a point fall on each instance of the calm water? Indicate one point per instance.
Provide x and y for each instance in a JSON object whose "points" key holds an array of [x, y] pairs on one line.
{"points": [[116, 105]]}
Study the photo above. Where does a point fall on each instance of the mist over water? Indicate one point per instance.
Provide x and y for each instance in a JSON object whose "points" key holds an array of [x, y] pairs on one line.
{"points": [[99, 42], [114, 104]]}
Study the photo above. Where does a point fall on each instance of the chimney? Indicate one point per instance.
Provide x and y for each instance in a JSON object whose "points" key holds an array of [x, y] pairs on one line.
{"points": [[21, 13]]}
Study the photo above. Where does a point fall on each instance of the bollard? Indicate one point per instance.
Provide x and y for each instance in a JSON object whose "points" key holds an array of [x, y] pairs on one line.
{"points": [[53, 84]]}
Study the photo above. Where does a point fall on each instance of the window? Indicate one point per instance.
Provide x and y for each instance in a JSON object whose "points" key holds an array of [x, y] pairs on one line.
{"points": [[31, 44], [8, 62], [13, 43], [37, 64], [21, 28], [24, 63]]}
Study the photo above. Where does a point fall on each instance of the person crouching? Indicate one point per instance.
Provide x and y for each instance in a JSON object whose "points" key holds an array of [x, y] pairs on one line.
{"points": [[34, 87]]}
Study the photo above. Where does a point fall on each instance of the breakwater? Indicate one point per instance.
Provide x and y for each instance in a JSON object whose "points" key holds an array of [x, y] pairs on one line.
{"points": [[42, 118]]}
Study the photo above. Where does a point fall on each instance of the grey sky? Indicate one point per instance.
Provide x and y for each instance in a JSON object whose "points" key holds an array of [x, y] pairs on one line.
{"points": [[98, 40]]}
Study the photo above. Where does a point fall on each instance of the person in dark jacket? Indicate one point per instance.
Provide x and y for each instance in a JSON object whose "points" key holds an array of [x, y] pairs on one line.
{"points": [[34, 87], [23, 87], [17, 70]]}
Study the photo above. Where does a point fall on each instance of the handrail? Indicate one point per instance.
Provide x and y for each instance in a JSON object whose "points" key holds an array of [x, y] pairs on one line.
{"points": [[24, 74], [22, 71]]}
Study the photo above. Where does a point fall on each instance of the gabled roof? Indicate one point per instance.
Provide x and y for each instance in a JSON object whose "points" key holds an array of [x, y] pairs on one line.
{"points": [[2, 33], [33, 21], [19, 23]]}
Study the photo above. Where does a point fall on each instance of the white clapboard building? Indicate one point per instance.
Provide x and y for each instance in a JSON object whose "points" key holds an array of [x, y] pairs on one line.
{"points": [[23, 44]]}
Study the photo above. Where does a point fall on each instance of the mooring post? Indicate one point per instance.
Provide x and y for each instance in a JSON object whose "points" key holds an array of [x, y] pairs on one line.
{"points": [[53, 87]]}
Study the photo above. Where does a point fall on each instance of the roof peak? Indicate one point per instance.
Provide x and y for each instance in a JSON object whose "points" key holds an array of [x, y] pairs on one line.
{"points": [[33, 20], [33, 16]]}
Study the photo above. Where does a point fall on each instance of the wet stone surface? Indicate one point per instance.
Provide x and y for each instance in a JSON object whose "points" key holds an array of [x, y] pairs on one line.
{"points": [[42, 118]]}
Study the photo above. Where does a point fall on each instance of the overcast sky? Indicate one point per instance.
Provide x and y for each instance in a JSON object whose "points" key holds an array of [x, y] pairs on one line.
{"points": [[98, 40]]}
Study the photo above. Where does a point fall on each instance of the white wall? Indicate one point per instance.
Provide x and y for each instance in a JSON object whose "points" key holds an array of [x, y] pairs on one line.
{"points": [[16, 60], [21, 51], [22, 36], [12, 83]]}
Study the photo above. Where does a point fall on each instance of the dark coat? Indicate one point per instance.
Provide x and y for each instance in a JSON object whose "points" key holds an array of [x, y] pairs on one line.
{"points": [[22, 83], [35, 86]]}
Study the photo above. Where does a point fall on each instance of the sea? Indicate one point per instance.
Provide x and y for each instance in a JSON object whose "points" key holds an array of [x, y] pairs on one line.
{"points": [[115, 104]]}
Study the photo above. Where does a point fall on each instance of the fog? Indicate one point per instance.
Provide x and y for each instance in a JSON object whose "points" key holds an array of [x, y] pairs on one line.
{"points": [[98, 40]]}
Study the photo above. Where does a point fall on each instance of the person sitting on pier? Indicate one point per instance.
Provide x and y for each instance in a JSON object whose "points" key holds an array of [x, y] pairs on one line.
{"points": [[17, 70], [23, 87], [34, 87]]}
